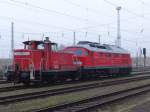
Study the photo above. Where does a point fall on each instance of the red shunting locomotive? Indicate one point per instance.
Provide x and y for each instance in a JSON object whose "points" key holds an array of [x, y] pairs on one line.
{"points": [[41, 61]]}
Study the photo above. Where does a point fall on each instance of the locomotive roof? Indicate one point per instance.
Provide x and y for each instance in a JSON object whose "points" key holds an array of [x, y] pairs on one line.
{"points": [[93, 46], [37, 42]]}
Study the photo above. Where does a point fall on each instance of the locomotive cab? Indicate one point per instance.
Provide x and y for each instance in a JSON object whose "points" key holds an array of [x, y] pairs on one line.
{"points": [[26, 61]]}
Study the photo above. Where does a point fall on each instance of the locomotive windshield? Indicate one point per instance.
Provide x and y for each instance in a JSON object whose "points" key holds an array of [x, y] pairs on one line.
{"points": [[33, 45], [54, 47], [40, 46]]}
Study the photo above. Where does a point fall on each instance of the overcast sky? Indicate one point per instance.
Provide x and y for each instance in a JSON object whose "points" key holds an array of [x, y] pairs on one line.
{"points": [[58, 19]]}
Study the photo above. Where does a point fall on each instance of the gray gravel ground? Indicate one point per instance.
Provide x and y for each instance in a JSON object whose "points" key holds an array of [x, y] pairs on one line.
{"points": [[142, 108], [145, 107], [53, 100], [140, 103], [30, 90]]}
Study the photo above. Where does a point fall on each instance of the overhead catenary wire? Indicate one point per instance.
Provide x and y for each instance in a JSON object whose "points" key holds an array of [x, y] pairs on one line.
{"points": [[53, 25], [63, 29], [95, 11], [45, 25], [34, 6], [127, 10], [104, 25], [49, 11], [25, 3], [144, 3], [94, 32], [33, 22], [86, 8], [128, 31]]}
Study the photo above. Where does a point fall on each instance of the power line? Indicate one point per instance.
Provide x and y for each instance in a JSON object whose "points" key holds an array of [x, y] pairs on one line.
{"points": [[33, 22], [50, 25], [129, 11], [93, 10], [24, 3], [144, 3], [89, 9], [103, 25], [34, 33], [45, 25], [48, 10]]}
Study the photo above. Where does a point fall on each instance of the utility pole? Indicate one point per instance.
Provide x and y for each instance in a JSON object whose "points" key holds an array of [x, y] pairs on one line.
{"points": [[118, 27], [99, 39], [144, 53], [74, 38], [12, 40]]}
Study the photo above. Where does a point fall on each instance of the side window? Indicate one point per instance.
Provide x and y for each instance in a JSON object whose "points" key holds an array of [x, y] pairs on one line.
{"points": [[78, 52], [81, 52], [86, 53]]}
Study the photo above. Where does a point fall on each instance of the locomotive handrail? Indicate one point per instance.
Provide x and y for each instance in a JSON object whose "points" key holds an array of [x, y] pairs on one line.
{"points": [[41, 66]]}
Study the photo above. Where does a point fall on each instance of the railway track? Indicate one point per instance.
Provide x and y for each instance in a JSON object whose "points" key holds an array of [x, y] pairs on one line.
{"points": [[66, 90], [3, 81], [96, 101], [136, 69], [12, 87]]}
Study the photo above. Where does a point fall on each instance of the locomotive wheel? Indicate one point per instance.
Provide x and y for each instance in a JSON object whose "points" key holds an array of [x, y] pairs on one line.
{"points": [[50, 80], [9, 78], [26, 83], [73, 77], [25, 78], [62, 78]]}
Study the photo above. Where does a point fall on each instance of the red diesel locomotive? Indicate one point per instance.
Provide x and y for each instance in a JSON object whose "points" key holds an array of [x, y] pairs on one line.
{"points": [[41, 61]]}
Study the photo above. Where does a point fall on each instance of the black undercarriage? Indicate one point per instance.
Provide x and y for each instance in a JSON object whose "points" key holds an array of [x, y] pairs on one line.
{"points": [[54, 75]]}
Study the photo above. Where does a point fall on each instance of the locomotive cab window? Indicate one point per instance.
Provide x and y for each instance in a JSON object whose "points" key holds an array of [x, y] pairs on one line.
{"points": [[54, 47], [40, 46], [86, 53], [33, 45]]}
